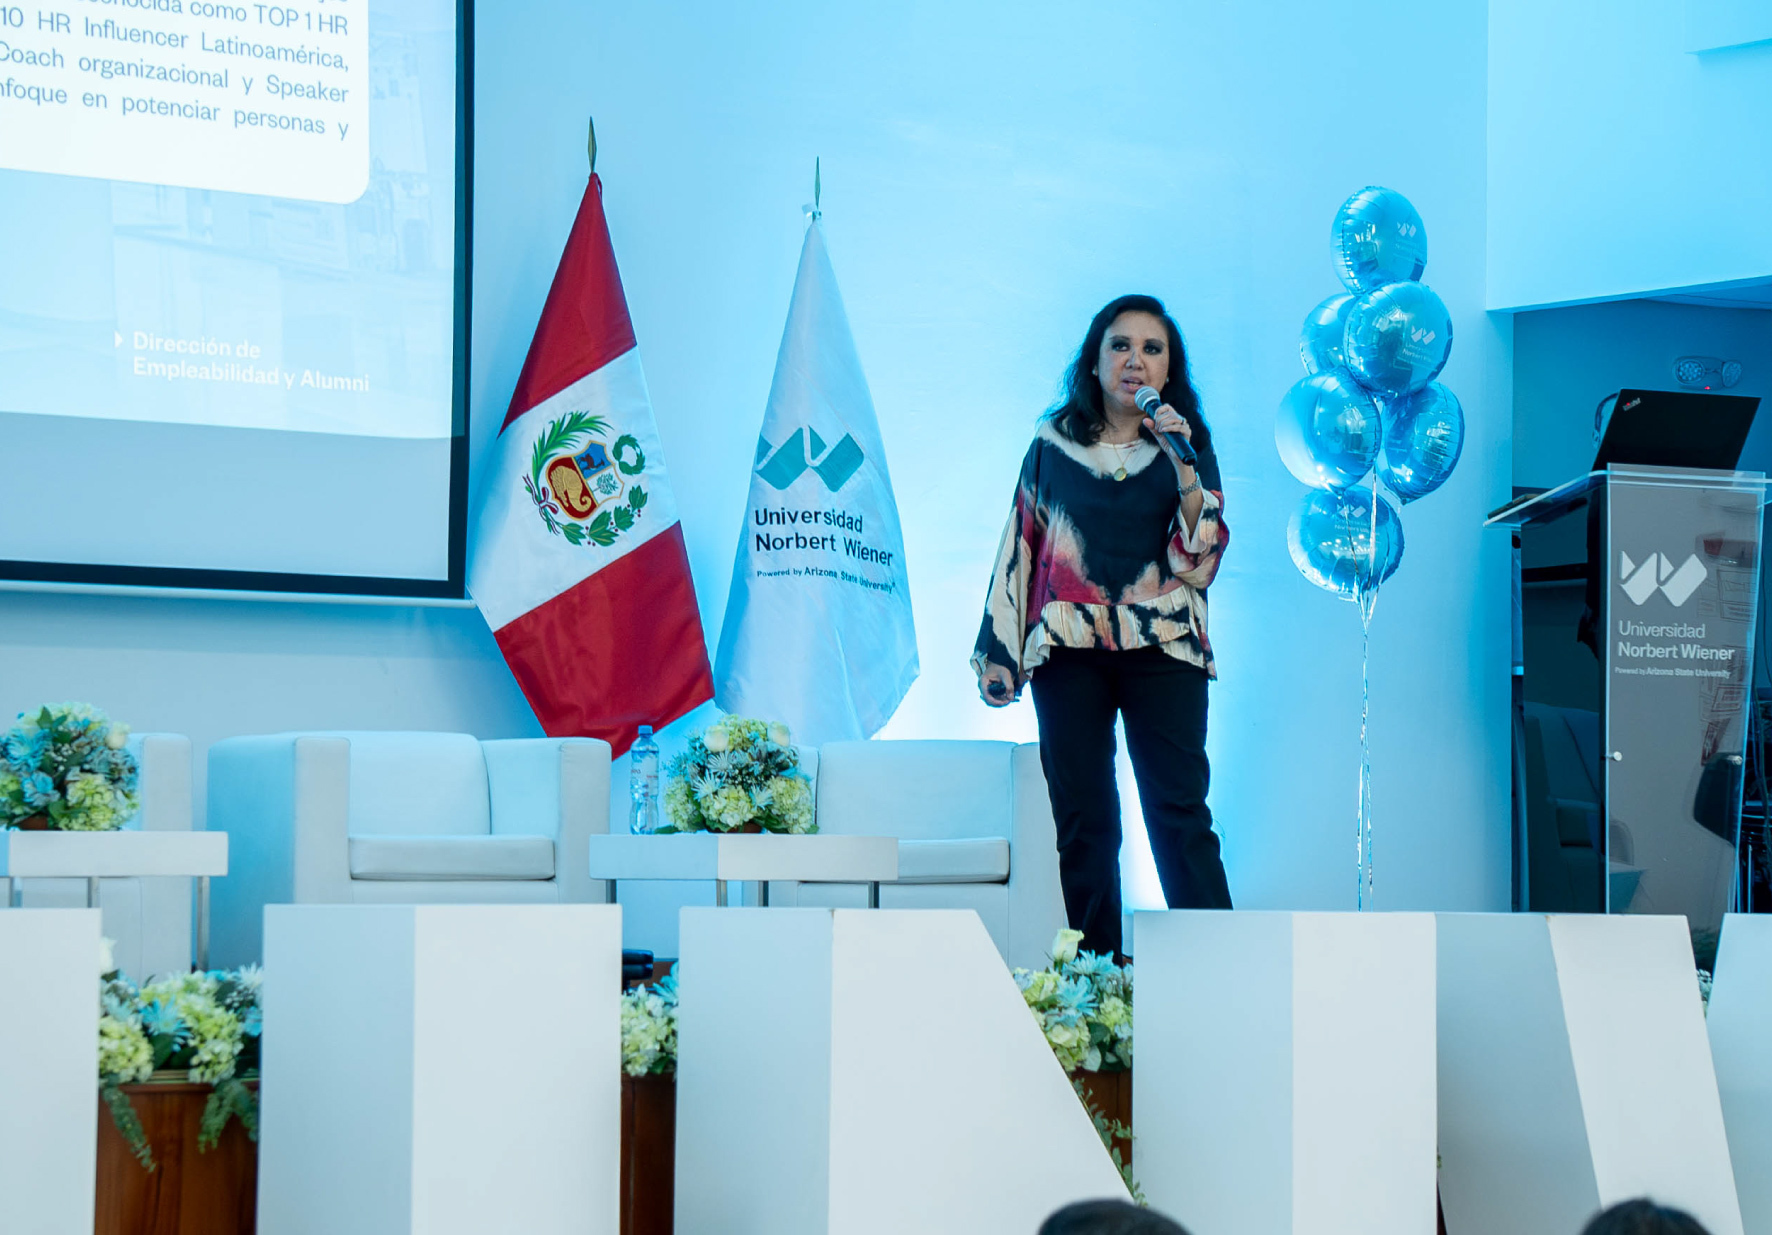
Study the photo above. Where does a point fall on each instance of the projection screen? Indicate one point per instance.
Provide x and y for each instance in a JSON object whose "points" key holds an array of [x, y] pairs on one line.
{"points": [[234, 294]]}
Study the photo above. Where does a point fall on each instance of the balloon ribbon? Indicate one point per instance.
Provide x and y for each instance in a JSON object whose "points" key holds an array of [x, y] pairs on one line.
{"points": [[1363, 892]]}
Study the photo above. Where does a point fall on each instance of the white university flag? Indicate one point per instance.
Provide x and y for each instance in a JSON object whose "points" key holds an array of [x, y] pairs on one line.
{"points": [[818, 629]]}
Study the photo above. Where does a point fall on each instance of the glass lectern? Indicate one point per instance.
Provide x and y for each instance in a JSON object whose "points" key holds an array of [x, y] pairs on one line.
{"points": [[1635, 598]]}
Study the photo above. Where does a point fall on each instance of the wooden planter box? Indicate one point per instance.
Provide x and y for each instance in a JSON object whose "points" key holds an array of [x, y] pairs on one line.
{"points": [[216, 1193], [648, 1154], [1111, 1094], [188, 1193]]}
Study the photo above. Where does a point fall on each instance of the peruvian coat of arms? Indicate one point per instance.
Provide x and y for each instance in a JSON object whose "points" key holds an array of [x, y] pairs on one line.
{"points": [[584, 488]]}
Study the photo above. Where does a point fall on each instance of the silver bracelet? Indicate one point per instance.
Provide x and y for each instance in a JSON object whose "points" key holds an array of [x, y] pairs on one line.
{"points": [[1192, 486]]}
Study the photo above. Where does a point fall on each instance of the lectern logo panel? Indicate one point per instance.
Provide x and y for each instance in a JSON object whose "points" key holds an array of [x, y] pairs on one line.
{"points": [[1657, 573]]}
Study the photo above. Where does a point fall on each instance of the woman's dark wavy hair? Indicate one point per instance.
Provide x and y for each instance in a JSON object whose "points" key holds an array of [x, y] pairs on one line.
{"points": [[1079, 414]]}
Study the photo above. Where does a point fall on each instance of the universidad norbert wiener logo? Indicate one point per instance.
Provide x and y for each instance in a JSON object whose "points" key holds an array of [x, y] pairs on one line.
{"points": [[578, 481], [1658, 574], [803, 451]]}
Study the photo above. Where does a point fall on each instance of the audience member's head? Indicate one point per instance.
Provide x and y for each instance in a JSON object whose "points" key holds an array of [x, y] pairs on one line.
{"points": [[1643, 1217], [1109, 1218]]}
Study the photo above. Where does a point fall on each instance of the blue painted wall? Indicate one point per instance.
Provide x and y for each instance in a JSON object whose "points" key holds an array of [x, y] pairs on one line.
{"points": [[1619, 161]]}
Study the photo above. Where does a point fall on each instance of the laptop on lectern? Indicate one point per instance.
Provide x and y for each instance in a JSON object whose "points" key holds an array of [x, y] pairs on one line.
{"points": [[1665, 428], [1677, 428]]}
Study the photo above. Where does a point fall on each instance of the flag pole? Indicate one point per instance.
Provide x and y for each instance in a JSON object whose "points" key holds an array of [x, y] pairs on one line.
{"points": [[817, 186], [591, 145]]}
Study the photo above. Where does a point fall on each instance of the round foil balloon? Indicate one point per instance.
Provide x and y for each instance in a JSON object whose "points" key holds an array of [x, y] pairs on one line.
{"points": [[1423, 437], [1398, 338], [1330, 536], [1329, 430], [1378, 238], [1319, 343]]}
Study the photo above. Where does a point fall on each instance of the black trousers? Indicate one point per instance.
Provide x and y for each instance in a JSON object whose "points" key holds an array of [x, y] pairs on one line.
{"points": [[1077, 693]]}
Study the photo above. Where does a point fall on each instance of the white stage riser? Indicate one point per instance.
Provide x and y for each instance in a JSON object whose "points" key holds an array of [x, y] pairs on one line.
{"points": [[441, 1070], [867, 1072], [1574, 1073], [1740, 1025], [48, 1070], [1284, 1077], [437, 1068]]}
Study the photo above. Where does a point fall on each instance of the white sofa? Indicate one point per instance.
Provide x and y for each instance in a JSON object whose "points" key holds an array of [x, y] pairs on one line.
{"points": [[148, 920], [975, 830], [399, 818]]}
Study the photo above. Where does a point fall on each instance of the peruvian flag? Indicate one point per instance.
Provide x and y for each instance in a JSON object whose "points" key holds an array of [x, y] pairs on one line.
{"points": [[578, 562]]}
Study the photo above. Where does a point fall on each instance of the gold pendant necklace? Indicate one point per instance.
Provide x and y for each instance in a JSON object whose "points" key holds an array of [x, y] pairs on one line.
{"points": [[1119, 472]]}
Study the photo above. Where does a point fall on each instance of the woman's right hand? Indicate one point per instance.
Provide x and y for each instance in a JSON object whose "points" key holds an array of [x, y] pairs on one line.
{"points": [[1004, 681]]}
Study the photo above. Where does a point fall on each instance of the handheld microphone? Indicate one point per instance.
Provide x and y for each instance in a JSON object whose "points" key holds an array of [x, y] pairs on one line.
{"points": [[1148, 401]]}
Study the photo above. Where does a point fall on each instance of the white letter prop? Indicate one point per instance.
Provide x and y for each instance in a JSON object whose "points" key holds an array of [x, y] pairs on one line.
{"points": [[1740, 1024], [441, 1069], [48, 1072], [867, 1072], [1574, 1073], [1284, 1080]]}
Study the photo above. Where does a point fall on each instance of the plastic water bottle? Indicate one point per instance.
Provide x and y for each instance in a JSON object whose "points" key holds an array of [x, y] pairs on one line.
{"points": [[643, 784]]}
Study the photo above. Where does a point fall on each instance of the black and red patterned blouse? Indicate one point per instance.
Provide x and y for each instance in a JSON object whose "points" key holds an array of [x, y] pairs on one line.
{"points": [[1089, 561]]}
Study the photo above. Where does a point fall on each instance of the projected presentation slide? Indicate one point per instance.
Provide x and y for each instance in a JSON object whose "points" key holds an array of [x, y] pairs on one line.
{"points": [[237, 218]]}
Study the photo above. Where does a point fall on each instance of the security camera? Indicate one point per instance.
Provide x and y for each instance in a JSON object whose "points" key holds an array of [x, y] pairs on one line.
{"points": [[1706, 372]]}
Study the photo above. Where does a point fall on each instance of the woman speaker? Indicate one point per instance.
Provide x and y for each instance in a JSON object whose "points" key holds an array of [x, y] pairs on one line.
{"points": [[1098, 600]]}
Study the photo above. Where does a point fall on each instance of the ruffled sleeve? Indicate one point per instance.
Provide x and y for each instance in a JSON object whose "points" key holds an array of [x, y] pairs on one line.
{"points": [[1002, 636], [1194, 556]]}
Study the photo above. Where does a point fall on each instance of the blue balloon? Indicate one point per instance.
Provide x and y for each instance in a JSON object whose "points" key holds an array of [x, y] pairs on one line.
{"points": [[1329, 431], [1423, 438], [1378, 238], [1330, 537], [1398, 338], [1319, 343]]}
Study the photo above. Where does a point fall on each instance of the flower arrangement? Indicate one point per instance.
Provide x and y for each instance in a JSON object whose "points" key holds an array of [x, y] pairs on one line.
{"points": [[65, 767], [736, 773], [649, 1029], [205, 1023], [1083, 1002]]}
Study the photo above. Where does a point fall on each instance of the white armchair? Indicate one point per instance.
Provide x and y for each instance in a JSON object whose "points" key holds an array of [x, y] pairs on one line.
{"points": [[975, 832], [148, 920], [400, 818]]}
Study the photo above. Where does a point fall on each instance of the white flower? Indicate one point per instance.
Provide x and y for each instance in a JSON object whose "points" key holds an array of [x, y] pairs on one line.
{"points": [[649, 1029], [679, 804], [731, 807], [1064, 946], [107, 956], [118, 737], [779, 734], [715, 740], [790, 799], [124, 1055]]}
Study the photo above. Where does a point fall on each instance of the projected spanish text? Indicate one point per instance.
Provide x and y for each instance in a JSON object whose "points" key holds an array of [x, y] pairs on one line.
{"points": [[268, 99]]}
